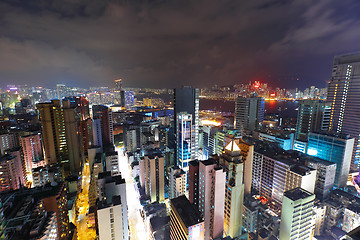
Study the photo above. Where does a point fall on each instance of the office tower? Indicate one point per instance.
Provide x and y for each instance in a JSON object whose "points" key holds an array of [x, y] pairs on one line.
{"points": [[194, 183], [105, 115], [185, 220], [212, 197], [177, 182], [186, 101], [110, 186], [297, 215], [343, 94], [309, 118], [60, 134], [325, 176], [152, 177], [7, 141], [109, 221], [336, 148], [184, 140], [12, 171], [249, 113], [233, 163]]}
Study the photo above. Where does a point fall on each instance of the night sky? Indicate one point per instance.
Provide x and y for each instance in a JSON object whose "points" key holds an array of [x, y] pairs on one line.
{"points": [[173, 43]]}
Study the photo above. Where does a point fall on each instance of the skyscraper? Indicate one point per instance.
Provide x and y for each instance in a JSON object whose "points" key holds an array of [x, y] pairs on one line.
{"points": [[297, 215], [249, 113], [335, 148], [186, 102], [104, 113], [234, 193], [60, 135], [184, 140], [212, 197], [344, 96], [309, 118]]}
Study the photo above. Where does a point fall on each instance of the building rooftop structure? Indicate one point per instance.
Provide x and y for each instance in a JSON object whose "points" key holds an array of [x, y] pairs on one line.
{"points": [[297, 194], [189, 215]]}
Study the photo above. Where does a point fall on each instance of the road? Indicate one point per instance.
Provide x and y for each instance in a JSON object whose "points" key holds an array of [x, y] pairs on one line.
{"points": [[137, 226], [83, 232]]}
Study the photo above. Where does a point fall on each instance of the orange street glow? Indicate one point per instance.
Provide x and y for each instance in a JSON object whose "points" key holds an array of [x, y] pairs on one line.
{"points": [[210, 122]]}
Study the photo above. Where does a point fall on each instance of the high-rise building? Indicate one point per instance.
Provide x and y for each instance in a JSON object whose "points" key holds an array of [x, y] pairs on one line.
{"points": [[336, 148], [53, 132], [310, 116], [194, 183], [7, 141], [56, 201], [81, 106], [110, 223], [185, 221], [62, 91], [233, 163], [343, 94], [110, 186], [275, 171], [249, 113], [184, 140], [212, 197], [97, 136], [12, 171], [104, 113], [186, 102], [86, 134], [177, 182], [152, 176], [32, 154], [72, 136], [297, 215], [120, 93], [60, 134], [129, 99], [325, 176]]}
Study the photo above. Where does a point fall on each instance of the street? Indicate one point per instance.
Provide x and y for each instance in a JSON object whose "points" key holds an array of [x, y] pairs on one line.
{"points": [[136, 223]]}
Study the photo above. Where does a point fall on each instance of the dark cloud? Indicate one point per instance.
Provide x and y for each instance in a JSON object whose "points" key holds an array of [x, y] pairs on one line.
{"points": [[172, 43]]}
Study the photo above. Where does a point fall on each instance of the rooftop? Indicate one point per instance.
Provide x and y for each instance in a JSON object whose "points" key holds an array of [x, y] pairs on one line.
{"points": [[189, 215], [297, 194]]}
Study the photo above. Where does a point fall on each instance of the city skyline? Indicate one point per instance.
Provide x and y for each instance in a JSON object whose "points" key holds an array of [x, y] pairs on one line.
{"points": [[154, 44]]}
